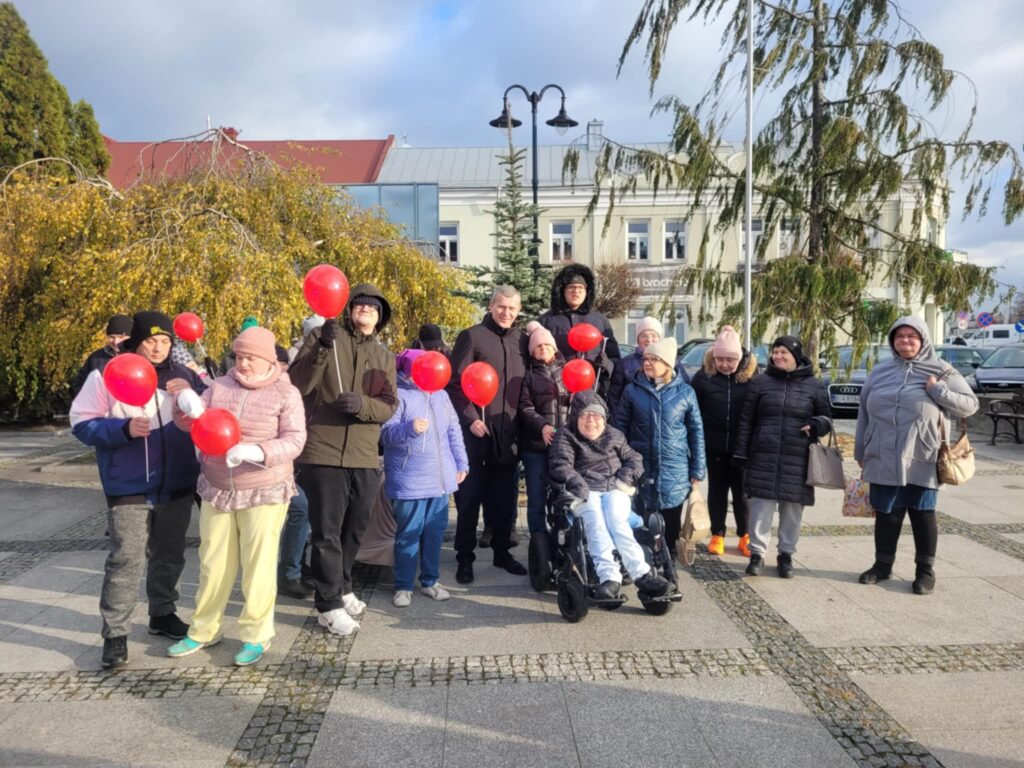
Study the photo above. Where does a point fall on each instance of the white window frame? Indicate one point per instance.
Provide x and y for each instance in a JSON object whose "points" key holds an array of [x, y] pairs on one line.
{"points": [[757, 228], [560, 240], [444, 242], [675, 242], [638, 239], [789, 235]]}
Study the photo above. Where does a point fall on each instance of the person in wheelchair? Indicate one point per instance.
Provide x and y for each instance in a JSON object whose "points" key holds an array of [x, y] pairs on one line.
{"points": [[594, 463]]}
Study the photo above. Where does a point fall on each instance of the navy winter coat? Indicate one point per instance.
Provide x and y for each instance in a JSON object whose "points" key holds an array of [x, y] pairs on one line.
{"points": [[664, 426], [721, 399]]}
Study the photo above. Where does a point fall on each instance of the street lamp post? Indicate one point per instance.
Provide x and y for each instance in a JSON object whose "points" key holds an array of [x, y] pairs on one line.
{"points": [[560, 122]]}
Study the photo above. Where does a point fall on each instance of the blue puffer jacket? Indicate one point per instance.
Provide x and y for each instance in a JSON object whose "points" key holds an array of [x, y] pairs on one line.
{"points": [[422, 466], [664, 426]]}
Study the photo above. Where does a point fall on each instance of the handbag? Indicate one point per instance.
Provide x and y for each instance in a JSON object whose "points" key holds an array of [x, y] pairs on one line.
{"points": [[856, 502], [697, 524], [955, 463], [825, 465]]}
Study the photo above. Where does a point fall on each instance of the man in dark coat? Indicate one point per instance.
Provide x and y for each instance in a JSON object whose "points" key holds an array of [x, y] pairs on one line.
{"points": [[572, 303], [118, 329], [491, 440]]}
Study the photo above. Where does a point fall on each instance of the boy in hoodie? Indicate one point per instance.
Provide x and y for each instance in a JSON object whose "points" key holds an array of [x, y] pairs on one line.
{"points": [[118, 329], [148, 469], [347, 381], [596, 465]]}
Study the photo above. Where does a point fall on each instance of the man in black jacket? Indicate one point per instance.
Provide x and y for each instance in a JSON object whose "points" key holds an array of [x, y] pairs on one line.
{"points": [[118, 329], [491, 440]]}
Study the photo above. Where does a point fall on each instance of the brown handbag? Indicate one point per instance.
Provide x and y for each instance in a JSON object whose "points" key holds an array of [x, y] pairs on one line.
{"points": [[955, 464]]}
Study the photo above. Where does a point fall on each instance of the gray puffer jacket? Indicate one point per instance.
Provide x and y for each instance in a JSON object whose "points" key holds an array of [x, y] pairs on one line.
{"points": [[899, 425]]}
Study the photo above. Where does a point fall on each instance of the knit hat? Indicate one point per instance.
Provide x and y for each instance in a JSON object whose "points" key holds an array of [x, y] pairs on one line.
{"points": [[539, 335], [595, 407], [404, 361], [650, 324], [256, 341], [180, 353], [430, 337], [369, 301], [311, 322], [250, 321], [727, 344], [665, 349], [119, 325], [145, 325], [792, 343], [576, 279]]}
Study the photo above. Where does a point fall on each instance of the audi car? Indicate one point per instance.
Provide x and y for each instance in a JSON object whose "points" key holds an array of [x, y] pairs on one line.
{"points": [[845, 381]]}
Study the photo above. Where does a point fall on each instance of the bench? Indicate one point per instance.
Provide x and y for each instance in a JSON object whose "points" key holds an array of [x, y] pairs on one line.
{"points": [[1009, 411]]}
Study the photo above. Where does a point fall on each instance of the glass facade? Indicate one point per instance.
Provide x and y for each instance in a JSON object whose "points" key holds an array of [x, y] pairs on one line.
{"points": [[413, 207]]}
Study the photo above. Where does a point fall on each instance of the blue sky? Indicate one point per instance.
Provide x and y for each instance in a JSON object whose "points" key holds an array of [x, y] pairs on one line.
{"points": [[435, 72]]}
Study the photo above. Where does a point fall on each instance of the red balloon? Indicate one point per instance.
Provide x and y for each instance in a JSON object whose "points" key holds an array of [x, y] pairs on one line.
{"points": [[326, 290], [584, 337], [216, 431], [480, 383], [578, 375], [431, 371], [130, 378], [188, 326]]}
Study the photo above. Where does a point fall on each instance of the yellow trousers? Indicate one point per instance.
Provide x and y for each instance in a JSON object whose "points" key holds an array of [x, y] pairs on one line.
{"points": [[246, 537]]}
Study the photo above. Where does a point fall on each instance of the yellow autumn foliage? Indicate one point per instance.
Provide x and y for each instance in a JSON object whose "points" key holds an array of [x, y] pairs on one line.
{"points": [[222, 244]]}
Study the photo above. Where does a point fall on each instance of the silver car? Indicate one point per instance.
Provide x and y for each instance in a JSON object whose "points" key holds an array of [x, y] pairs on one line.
{"points": [[1003, 371]]}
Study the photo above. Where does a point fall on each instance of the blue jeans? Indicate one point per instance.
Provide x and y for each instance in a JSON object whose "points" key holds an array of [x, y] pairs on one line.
{"points": [[294, 534], [420, 525], [535, 466]]}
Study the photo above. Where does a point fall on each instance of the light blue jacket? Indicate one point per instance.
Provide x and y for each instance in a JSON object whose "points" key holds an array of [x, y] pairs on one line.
{"points": [[422, 466]]}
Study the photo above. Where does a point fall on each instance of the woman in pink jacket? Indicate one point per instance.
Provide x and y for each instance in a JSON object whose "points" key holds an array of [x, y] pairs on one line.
{"points": [[245, 494]]}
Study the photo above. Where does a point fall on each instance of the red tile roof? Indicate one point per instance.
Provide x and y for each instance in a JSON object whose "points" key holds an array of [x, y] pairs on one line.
{"points": [[336, 162]]}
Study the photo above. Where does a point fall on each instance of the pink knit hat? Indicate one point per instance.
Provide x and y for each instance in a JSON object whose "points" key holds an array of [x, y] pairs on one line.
{"points": [[256, 341], [727, 344], [539, 335], [650, 324]]}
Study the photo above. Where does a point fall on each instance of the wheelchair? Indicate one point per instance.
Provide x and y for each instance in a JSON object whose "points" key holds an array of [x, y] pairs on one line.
{"points": [[558, 559]]}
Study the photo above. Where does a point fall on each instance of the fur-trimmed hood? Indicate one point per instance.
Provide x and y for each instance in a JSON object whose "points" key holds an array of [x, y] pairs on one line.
{"points": [[562, 279], [744, 372]]}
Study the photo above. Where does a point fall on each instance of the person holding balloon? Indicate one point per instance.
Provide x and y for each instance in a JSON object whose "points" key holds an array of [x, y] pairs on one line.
{"points": [[347, 380], [249, 426], [148, 470], [424, 461]]}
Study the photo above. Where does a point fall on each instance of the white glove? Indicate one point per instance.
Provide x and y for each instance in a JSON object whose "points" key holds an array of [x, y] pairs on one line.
{"points": [[242, 452], [190, 403], [629, 490]]}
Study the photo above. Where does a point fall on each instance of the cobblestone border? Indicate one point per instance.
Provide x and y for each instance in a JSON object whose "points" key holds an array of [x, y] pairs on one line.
{"points": [[986, 535], [928, 659]]}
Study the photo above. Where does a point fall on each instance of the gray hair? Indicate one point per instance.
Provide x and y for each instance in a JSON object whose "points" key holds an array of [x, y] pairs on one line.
{"points": [[507, 292]]}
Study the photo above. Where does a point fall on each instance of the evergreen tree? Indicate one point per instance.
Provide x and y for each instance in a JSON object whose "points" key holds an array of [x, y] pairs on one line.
{"points": [[37, 119], [851, 132]]}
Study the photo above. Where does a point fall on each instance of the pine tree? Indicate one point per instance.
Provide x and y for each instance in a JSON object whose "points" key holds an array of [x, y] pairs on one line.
{"points": [[37, 119], [856, 85]]}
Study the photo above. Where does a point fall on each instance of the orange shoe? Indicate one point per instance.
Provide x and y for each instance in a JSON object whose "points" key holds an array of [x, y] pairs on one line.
{"points": [[717, 545], [743, 545]]}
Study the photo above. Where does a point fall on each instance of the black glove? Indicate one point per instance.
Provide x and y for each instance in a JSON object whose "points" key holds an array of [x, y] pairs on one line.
{"points": [[329, 332], [738, 462], [349, 402]]}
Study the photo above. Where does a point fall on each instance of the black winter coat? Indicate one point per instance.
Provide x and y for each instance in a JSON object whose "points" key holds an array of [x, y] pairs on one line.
{"points": [[544, 400], [721, 398], [778, 404], [582, 465], [505, 351], [96, 361]]}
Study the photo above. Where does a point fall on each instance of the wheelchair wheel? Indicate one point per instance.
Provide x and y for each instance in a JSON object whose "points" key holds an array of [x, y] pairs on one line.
{"points": [[688, 553], [572, 601], [539, 561], [656, 607]]}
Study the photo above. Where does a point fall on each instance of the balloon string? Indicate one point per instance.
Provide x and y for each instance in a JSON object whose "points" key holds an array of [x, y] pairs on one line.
{"points": [[597, 377], [145, 447], [337, 365]]}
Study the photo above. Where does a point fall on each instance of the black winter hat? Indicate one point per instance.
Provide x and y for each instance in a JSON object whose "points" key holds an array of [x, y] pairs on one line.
{"points": [[146, 324], [430, 337], [792, 343], [119, 325]]}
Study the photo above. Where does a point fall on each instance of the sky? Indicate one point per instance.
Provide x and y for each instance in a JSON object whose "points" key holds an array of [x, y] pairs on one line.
{"points": [[433, 72]]}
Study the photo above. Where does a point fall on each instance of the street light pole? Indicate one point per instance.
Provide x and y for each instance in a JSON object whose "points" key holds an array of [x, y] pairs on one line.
{"points": [[560, 122]]}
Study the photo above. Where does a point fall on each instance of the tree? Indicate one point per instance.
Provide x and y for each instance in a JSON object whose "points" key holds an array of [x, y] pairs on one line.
{"points": [[37, 117], [856, 85], [228, 241], [617, 289], [514, 235]]}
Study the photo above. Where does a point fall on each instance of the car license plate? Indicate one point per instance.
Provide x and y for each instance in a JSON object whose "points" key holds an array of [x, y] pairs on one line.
{"points": [[846, 399]]}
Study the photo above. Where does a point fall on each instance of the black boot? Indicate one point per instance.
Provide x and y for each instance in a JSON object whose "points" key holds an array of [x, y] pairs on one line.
{"points": [[876, 573], [785, 564], [115, 652], [887, 535], [608, 590], [926, 538], [756, 565], [924, 580]]}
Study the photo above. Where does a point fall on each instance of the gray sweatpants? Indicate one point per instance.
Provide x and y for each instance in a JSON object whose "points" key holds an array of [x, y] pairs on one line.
{"points": [[760, 528], [138, 531]]}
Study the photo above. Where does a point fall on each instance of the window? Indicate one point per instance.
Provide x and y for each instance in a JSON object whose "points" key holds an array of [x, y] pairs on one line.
{"points": [[675, 240], [789, 236], [561, 241], [448, 242], [757, 229], [638, 240]]}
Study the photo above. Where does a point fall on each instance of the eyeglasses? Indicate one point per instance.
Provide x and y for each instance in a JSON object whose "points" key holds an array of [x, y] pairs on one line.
{"points": [[907, 337]]}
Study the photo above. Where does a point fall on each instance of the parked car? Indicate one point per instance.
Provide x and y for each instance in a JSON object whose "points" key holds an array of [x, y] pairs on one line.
{"points": [[964, 359], [693, 359], [844, 382], [995, 336], [1002, 371]]}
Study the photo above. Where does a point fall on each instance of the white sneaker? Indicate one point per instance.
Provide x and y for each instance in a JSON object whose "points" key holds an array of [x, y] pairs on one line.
{"points": [[353, 604], [436, 591], [402, 599], [338, 622]]}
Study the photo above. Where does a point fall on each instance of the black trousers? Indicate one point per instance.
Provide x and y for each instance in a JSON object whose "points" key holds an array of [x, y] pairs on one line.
{"points": [[723, 478], [340, 500], [493, 486], [887, 535], [673, 523]]}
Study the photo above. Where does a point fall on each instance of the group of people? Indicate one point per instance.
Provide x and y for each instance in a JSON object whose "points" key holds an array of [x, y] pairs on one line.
{"points": [[315, 422]]}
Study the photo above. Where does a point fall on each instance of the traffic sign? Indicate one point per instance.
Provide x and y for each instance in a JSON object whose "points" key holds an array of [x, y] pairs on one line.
{"points": [[962, 323], [1019, 327], [985, 319], [963, 314]]}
